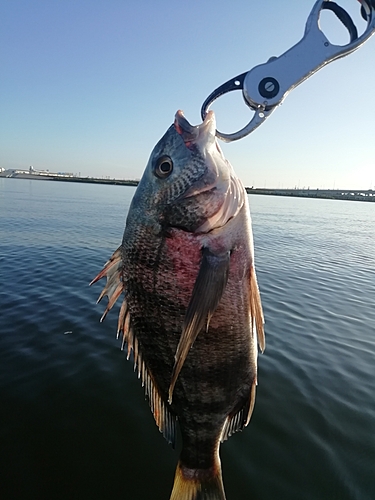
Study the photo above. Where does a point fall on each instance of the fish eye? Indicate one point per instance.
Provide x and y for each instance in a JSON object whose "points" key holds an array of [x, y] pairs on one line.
{"points": [[163, 167]]}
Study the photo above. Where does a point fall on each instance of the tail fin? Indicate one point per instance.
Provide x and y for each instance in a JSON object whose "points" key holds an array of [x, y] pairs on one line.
{"points": [[198, 484]]}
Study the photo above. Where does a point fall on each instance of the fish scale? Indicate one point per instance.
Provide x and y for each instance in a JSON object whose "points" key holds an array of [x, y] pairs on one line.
{"points": [[191, 313]]}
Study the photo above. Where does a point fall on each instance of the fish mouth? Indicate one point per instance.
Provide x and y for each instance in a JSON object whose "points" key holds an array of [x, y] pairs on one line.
{"points": [[219, 183], [202, 137], [201, 134]]}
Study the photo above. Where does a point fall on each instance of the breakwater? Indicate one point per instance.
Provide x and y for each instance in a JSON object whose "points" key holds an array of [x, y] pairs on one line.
{"points": [[332, 194]]}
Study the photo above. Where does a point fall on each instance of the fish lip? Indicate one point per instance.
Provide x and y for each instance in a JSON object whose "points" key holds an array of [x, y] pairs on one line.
{"points": [[197, 133], [217, 177], [205, 229], [193, 191], [202, 138]]}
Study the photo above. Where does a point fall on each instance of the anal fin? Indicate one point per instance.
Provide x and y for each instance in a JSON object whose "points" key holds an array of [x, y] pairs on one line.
{"points": [[239, 419]]}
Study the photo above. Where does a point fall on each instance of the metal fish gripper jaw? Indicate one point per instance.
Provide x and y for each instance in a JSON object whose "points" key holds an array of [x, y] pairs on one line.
{"points": [[265, 86]]}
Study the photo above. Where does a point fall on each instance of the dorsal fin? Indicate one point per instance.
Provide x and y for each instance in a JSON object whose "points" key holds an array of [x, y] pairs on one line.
{"points": [[164, 419], [112, 270], [114, 287]]}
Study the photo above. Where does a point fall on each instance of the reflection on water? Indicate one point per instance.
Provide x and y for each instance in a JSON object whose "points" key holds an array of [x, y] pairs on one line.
{"points": [[74, 423]]}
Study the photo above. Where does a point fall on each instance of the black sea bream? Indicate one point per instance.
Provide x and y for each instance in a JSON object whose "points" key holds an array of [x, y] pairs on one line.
{"points": [[191, 312]]}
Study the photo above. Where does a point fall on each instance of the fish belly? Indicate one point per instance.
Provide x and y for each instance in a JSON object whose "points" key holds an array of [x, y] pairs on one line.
{"points": [[216, 379]]}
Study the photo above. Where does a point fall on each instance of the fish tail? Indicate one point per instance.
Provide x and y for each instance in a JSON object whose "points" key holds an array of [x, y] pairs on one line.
{"points": [[198, 484]]}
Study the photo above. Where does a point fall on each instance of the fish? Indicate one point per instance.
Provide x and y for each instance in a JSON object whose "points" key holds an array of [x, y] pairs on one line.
{"points": [[191, 315]]}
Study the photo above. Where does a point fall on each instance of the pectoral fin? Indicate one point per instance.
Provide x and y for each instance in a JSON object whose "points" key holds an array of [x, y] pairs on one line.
{"points": [[208, 290]]}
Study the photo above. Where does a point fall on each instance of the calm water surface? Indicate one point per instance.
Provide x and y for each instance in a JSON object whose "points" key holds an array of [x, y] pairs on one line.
{"points": [[73, 419]]}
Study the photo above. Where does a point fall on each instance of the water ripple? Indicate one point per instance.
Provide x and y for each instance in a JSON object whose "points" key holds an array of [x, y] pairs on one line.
{"points": [[74, 423]]}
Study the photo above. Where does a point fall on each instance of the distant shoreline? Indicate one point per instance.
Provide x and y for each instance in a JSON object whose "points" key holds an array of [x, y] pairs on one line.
{"points": [[330, 194], [66, 178]]}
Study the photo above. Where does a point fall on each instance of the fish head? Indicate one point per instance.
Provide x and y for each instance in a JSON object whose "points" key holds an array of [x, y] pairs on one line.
{"points": [[188, 183]]}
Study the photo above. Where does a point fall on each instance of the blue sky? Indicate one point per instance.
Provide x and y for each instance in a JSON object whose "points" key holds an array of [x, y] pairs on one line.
{"points": [[89, 86]]}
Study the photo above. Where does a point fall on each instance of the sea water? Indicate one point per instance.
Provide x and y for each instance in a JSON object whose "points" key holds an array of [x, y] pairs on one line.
{"points": [[74, 422]]}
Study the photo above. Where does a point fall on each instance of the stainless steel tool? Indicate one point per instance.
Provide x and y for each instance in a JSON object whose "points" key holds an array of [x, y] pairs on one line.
{"points": [[265, 86]]}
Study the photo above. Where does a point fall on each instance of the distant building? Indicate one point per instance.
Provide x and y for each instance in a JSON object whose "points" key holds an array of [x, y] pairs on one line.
{"points": [[46, 172]]}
